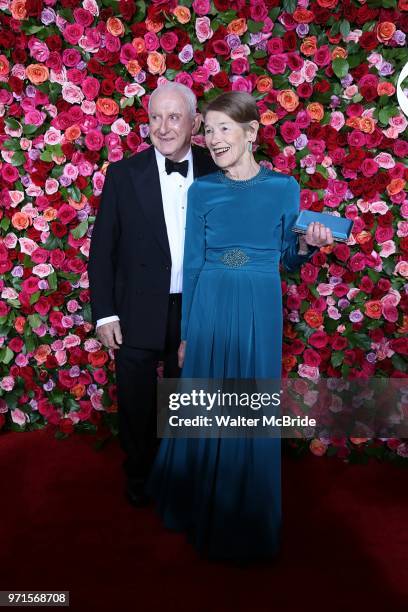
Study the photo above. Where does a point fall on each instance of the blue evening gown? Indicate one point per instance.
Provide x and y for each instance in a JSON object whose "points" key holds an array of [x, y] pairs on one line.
{"points": [[225, 493]]}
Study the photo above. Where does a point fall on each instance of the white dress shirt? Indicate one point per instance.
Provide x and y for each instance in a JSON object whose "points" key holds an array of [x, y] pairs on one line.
{"points": [[174, 189]]}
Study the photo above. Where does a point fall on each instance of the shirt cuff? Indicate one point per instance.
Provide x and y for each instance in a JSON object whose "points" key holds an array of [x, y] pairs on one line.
{"points": [[106, 320]]}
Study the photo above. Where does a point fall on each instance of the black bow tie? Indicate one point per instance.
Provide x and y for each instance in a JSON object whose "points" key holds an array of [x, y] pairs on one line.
{"points": [[181, 167]]}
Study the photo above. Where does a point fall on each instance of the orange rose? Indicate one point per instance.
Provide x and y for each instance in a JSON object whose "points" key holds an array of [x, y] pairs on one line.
{"points": [[288, 362], [78, 205], [264, 83], [42, 352], [363, 237], [78, 391], [156, 63], [182, 14], [367, 125], [37, 73], [139, 44], [115, 26], [385, 89], [396, 185], [338, 52], [385, 31], [288, 99], [313, 318], [72, 133], [154, 26], [18, 9], [316, 111], [98, 358], [373, 309], [237, 26], [19, 324], [317, 447], [107, 106], [353, 122], [20, 220], [269, 117], [403, 329], [133, 67], [303, 15], [4, 66], [50, 214], [309, 45]]}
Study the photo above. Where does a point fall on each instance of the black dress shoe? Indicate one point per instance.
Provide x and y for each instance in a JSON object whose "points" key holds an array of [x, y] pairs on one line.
{"points": [[136, 495]]}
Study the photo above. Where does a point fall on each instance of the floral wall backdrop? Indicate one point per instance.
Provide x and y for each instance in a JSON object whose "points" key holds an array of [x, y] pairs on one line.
{"points": [[75, 78]]}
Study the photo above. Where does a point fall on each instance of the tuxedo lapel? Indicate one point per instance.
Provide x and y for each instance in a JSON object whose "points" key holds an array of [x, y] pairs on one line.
{"points": [[202, 162], [146, 182]]}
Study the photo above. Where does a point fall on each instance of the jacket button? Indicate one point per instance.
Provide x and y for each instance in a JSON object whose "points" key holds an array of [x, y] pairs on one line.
{"points": [[167, 267]]}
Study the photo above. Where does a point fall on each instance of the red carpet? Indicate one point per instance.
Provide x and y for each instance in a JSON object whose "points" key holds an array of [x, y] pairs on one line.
{"points": [[65, 525]]}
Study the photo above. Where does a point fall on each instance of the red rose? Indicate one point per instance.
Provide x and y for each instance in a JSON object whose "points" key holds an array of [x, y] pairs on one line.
{"points": [[318, 339], [311, 357], [220, 79], [66, 426], [399, 345], [309, 273]]}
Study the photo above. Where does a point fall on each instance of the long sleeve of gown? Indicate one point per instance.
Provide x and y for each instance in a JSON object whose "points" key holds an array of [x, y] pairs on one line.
{"points": [[194, 253], [290, 241]]}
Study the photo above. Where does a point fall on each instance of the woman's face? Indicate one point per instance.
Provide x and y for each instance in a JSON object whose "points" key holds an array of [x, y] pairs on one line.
{"points": [[226, 139]]}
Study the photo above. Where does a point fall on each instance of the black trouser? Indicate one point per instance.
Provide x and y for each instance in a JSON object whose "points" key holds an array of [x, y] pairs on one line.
{"points": [[136, 380]]}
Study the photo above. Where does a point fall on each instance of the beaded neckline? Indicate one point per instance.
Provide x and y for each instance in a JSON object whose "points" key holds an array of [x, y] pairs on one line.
{"points": [[243, 183]]}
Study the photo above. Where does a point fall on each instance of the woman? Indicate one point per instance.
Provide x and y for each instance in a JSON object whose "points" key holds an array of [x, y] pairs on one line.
{"points": [[225, 492]]}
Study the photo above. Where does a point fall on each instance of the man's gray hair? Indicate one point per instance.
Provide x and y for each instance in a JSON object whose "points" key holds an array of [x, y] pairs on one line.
{"points": [[185, 91]]}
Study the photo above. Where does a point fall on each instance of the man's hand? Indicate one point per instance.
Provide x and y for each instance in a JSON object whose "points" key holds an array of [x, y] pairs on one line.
{"points": [[110, 334], [181, 352]]}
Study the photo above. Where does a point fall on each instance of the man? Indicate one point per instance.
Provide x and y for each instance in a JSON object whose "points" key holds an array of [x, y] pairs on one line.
{"points": [[135, 268]]}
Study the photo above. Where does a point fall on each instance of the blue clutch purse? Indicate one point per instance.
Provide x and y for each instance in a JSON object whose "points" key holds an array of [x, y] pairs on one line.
{"points": [[340, 227]]}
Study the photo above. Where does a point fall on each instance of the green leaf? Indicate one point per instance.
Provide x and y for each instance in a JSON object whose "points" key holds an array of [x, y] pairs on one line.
{"points": [[6, 355], [340, 67], [5, 223], [289, 5], [254, 26], [337, 358], [12, 124], [399, 363], [359, 340], [384, 115], [46, 155], [75, 193], [18, 158], [29, 129], [11, 145], [34, 297], [52, 281], [344, 27], [80, 230], [34, 320]]}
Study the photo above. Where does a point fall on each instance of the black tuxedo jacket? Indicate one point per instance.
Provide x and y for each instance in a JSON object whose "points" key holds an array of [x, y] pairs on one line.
{"points": [[129, 260]]}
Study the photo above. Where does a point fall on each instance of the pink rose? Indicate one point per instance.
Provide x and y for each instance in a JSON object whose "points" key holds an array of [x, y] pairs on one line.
{"points": [[384, 233], [277, 64], [73, 32], [357, 262], [387, 248], [242, 84], [369, 167], [322, 56], [356, 138], [389, 312], [200, 75], [239, 65], [151, 41], [201, 7], [203, 28], [185, 78], [168, 42], [94, 140], [290, 131]]}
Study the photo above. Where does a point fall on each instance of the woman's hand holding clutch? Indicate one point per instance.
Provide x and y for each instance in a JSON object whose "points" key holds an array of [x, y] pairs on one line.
{"points": [[180, 353], [317, 235]]}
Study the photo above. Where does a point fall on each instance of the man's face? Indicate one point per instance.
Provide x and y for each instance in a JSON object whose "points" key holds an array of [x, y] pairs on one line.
{"points": [[171, 124]]}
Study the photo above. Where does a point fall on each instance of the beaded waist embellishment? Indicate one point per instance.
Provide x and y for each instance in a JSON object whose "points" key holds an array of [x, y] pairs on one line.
{"points": [[234, 258]]}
